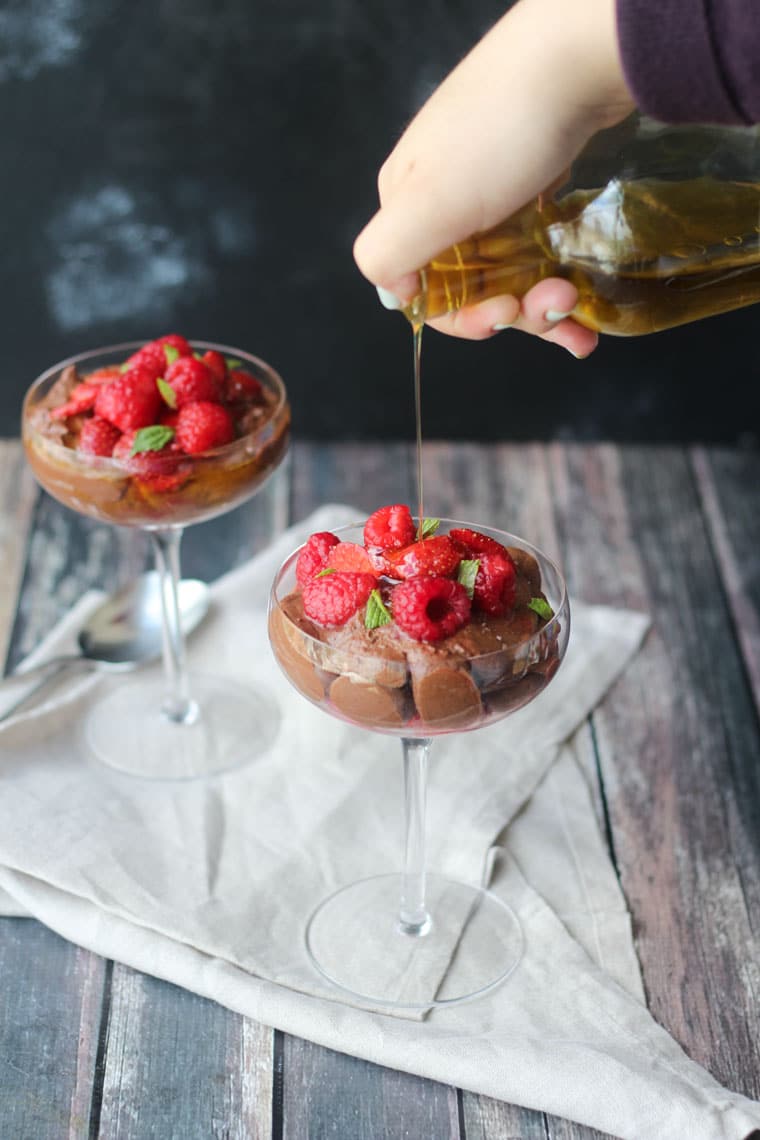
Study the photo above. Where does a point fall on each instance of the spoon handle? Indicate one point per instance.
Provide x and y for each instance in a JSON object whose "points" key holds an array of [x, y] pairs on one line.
{"points": [[39, 676]]}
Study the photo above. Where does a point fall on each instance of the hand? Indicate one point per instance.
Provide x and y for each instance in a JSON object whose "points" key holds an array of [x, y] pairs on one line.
{"points": [[500, 129]]}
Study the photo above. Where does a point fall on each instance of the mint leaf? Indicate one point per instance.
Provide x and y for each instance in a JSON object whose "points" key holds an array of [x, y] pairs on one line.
{"points": [[322, 573], [125, 367], [198, 355], [168, 393], [541, 607], [376, 613], [429, 526], [467, 573], [232, 363], [152, 438], [171, 353]]}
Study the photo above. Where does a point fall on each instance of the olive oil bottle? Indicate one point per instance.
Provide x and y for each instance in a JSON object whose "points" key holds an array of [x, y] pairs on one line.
{"points": [[670, 233]]}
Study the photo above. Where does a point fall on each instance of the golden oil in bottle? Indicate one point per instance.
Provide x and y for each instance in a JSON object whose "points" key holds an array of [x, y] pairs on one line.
{"points": [[645, 254]]}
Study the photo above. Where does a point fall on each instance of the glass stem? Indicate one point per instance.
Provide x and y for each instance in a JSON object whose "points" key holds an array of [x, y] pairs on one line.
{"points": [[177, 705], [413, 917]]}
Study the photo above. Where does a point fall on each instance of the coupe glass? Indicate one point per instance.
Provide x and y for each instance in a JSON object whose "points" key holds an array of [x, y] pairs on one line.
{"points": [[412, 940], [204, 724]]}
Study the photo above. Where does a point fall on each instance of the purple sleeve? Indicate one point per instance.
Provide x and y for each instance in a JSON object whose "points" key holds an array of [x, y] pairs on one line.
{"points": [[692, 60]]}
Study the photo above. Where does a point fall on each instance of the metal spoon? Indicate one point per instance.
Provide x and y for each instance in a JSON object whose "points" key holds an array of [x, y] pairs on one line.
{"points": [[124, 632]]}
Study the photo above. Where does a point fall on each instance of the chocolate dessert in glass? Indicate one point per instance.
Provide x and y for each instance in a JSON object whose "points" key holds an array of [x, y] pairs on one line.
{"points": [[159, 436], [417, 630]]}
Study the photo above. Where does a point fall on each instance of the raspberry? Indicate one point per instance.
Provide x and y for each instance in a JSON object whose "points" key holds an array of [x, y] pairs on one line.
{"points": [[313, 556], [202, 426], [390, 528], [176, 341], [434, 557], [151, 357], [242, 387], [154, 470], [334, 598], [216, 365], [97, 437], [131, 401], [350, 556], [495, 584], [191, 381], [81, 399], [168, 418], [429, 609], [472, 543]]}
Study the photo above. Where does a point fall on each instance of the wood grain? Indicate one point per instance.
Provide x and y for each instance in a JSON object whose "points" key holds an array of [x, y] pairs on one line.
{"points": [[678, 742]]}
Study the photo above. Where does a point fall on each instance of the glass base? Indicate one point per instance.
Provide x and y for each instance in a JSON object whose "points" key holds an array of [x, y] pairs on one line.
{"points": [[473, 943], [228, 726]]}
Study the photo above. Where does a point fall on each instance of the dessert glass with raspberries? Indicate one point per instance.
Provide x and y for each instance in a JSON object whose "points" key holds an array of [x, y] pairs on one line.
{"points": [[157, 436], [417, 630]]}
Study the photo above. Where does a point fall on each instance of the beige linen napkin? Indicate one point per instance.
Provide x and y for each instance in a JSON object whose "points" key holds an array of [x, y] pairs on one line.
{"points": [[209, 884]]}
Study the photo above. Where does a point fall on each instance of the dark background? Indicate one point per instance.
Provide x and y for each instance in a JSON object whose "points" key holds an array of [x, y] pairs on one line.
{"points": [[178, 165]]}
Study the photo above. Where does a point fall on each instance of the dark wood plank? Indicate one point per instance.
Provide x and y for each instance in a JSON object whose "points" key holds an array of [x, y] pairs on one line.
{"points": [[50, 1003], [181, 1067], [17, 496], [728, 484], [331, 1095], [678, 746]]}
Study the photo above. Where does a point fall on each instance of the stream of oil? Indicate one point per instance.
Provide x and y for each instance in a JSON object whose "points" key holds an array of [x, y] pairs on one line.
{"points": [[417, 328]]}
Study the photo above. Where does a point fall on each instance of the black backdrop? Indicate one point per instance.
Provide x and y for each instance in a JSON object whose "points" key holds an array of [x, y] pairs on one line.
{"points": [[178, 165]]}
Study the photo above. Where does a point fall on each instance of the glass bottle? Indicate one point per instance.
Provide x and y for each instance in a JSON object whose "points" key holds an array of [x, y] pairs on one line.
{"points": [[655, 226]]}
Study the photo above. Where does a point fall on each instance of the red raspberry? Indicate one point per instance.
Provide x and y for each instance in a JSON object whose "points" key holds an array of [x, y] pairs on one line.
{"points": [[434, 557], [176, 341], [191, 381], [313, 556], [168, 418], [472, 543], [390, 528], [161, 470], [495, 584], [131, 401], [241, 387], [97, 437], [350, 556], [216, 365], [429, 609], [151, 357], [334, 598], [202, 426], [81, 399]]}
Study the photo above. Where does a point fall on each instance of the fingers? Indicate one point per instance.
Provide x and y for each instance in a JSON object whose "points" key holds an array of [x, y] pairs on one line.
{"points": [[544, 312]]}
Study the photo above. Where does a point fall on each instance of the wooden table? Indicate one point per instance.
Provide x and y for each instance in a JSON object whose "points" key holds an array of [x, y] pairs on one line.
{"points": [[89, 1048]]}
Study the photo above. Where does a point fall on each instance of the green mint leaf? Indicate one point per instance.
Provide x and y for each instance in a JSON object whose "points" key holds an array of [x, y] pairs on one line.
{"points": [[171, 353], [152, 438], [429, 526], [376, 613], [322, 573], [167, 392], [198, 355], [125, 367], [467, 573], [541, 607], [232, 363]]}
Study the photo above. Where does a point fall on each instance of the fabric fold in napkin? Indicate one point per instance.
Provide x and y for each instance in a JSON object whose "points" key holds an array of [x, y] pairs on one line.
{"points": [[209, 884]]}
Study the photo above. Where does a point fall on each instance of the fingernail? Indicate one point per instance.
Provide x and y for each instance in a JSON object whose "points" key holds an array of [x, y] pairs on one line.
{"points": [[553, 316], [500, 328], [390, 300], [578, 355]]}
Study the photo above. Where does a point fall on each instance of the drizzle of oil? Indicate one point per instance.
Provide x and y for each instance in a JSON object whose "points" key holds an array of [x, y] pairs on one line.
{"points": [[417, 327]]}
